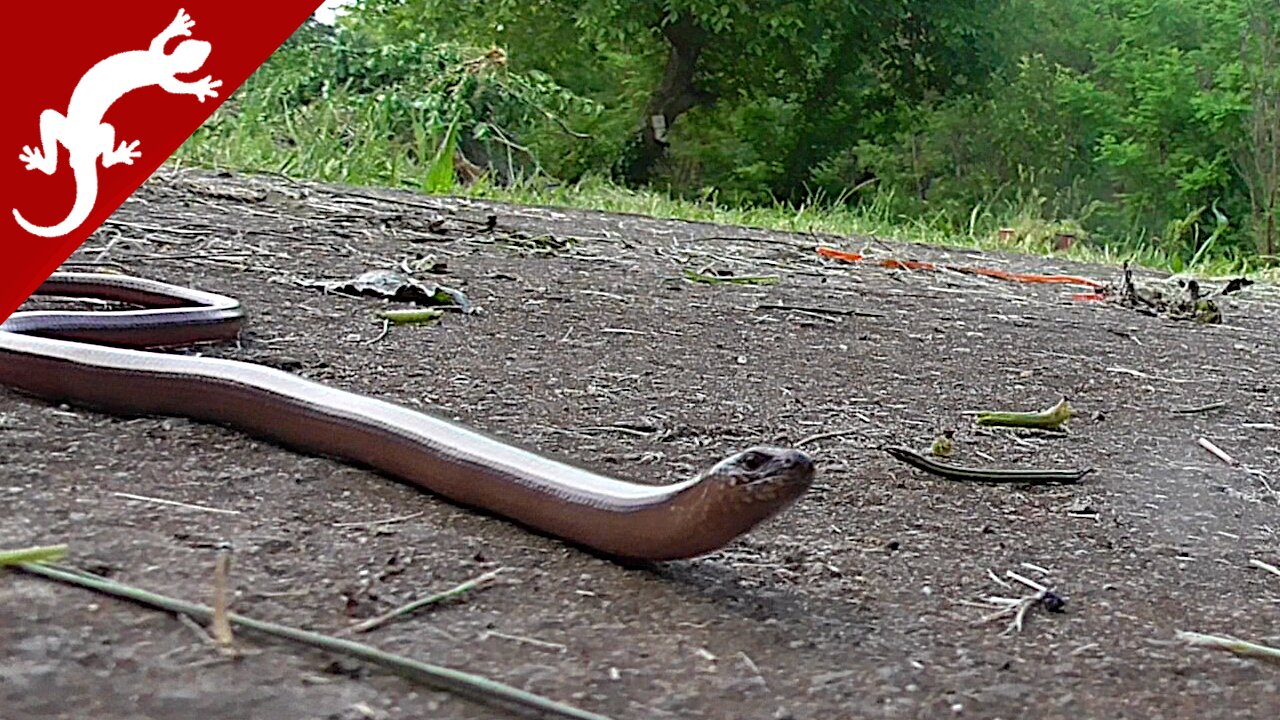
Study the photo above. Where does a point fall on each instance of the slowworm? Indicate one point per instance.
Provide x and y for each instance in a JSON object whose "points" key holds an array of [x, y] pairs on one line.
{"points": [[95, 359]]}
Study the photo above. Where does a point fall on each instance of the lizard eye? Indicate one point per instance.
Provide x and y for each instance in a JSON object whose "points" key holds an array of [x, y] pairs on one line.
{"points": [[752, 461]]}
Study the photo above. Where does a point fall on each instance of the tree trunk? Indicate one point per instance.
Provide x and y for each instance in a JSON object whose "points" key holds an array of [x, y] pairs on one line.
{"points": [[1260, 167], [674, 96]]}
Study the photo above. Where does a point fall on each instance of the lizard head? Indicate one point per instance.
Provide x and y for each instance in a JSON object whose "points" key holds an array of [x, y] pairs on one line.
{"points": [[189, 55]]}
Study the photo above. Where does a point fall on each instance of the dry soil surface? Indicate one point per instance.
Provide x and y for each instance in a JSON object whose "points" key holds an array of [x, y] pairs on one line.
{"points": [[862, 601]]}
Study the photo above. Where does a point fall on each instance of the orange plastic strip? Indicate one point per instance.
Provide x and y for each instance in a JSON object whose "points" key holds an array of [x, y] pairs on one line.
{"points": [[1031, 278], [835, 254], [895, 264]]}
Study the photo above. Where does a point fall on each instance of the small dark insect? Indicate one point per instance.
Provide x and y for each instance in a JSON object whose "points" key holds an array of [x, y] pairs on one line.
{"points": [[1236, 285], [1053, 602]]}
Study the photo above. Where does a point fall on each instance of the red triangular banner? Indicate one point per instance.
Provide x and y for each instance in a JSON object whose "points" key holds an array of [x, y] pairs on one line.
{"points": [[119, 87]]}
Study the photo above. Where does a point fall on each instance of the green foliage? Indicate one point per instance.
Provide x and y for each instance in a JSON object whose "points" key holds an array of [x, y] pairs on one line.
{"points": [[1031, 138], [344, 107], [1137, 127], [1130, 120], [838, 68]]}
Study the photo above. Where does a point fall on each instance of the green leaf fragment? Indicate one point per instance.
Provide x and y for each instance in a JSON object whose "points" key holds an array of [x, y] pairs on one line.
{"points": [[411, 317], [1049, 419], [38, 554]]}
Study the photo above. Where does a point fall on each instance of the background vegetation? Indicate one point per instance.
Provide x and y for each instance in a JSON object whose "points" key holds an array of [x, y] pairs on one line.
{"points": [[1145, 127]]}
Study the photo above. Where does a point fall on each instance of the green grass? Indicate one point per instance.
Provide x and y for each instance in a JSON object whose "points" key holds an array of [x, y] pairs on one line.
{"points": [[1033, 235], [331, 142]]}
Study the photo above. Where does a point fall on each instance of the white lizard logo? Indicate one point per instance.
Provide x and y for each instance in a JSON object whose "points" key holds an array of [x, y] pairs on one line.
{"points": [[84, 135]]}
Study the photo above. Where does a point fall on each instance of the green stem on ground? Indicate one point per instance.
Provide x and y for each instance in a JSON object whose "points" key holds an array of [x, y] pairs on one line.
{"points": [[458, 591], [992, 475], [1232, 645], [44, 553]]}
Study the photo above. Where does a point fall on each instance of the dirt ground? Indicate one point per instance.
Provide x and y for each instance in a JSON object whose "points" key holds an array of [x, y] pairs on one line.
{"points": [[856, 603]]}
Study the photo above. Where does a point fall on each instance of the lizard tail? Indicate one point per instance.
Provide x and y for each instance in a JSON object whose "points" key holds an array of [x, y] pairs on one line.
{"points": [[86, 197]]}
